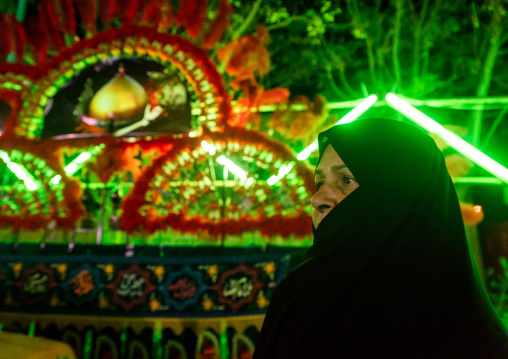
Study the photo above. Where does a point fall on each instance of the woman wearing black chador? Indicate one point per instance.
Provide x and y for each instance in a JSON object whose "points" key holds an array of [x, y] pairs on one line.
{"points": [[390, 273]]}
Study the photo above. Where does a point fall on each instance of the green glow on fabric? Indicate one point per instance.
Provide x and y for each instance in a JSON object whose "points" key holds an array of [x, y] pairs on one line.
{"points": [[31, 329], [451, 139], [123, 343], [20, 172], [157, 340], [87, 348], [224, 347], [350, 116]]}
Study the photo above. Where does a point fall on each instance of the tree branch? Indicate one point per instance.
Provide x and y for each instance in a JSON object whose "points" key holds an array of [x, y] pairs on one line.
{"points": [[396, 45], [416, 49], [354, 11], [287, 22], [488, 67], [342, 72], [334, 86], [248, 20]]}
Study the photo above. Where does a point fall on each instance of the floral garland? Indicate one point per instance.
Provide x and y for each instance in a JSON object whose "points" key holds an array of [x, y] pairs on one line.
{"points": [[13, 99]]}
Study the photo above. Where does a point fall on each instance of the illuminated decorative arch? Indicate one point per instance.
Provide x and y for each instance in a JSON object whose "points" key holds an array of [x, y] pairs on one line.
{"points": [[104, 341], [207, 335], [136, 344], [35, 199], [164, 195], [136, 41], [178, 40], [70, 337], [237, 340], [176, 345]]}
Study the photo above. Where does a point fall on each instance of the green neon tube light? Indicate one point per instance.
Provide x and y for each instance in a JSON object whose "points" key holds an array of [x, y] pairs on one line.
{"points": [[478, 180], [351, 116], [451, 139]]}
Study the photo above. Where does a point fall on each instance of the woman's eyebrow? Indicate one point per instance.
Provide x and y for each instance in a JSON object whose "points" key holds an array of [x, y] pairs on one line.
{"points": [[338, 168], [334, 169]]}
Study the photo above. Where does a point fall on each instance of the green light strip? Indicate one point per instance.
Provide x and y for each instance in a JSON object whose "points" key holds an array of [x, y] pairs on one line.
{"points": [[451, 139], [123, 343], [453, 102], [478, 180], [351, 116], [465, 103]]}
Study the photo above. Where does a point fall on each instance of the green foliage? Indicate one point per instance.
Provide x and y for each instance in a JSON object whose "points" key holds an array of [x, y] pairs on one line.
{"points": [[276, 15], [7, 7], [338, 47]]}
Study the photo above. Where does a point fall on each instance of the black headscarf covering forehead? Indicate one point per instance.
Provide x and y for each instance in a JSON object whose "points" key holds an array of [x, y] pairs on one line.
{"points": [[400, 171], [390, 273]]}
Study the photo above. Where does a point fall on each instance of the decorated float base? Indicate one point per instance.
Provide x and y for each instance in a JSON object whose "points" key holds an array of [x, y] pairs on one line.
{"points": [[145, 301], [120, 337]]}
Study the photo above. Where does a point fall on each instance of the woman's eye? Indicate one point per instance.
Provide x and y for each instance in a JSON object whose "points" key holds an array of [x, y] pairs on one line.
{"points": [[319, 185], [348, 180]]}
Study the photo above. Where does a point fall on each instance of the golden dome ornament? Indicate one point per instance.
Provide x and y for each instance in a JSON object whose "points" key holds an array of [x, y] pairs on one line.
{"points": [[119, 102]]}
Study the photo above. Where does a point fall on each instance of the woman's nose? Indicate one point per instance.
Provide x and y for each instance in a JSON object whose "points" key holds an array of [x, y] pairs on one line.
{"points": [[323, 200]]}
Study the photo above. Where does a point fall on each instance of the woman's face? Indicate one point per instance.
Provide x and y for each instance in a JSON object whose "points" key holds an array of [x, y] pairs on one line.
{"points": [[334, 182]]}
